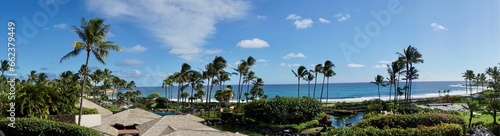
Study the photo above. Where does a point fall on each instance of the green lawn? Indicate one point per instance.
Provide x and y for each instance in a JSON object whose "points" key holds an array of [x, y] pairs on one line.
{"points": [[311, 130], [486, 118]]}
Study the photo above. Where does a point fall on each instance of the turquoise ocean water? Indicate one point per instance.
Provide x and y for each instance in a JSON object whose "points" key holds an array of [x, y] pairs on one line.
{"points": [[339, 91]]}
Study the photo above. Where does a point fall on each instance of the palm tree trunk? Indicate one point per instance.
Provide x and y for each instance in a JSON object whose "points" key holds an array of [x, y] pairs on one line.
{"points": [[208, 91], [179, 96], [298, 87], [83, 87], [309, 88], [315, 81], [390, 91], [378, 88], [239, 92], [327, 85], [322, 87]]}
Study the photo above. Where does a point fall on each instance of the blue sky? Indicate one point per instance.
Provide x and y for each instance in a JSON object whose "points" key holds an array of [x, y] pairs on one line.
{"points": [[359, 37]]}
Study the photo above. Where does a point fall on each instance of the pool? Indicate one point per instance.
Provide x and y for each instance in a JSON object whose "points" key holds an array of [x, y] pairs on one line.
{"points": [[165, 113], [338, 122]]}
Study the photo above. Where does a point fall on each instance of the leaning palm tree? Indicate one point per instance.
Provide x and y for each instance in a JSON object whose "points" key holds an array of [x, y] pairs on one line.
{"points": [[309, 77], [242, 71], [472, 106], [379, 80], [328, 66], [301, 73], [397, 67], [468, 76], [317, 69], [93, 35], [328, 74], [482, 79], [410, 56], [4, 67]]}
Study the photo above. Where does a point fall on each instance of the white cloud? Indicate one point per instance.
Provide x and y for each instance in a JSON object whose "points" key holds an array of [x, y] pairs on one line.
{"points": [[129, 62], [293, 17], [438, 27], [136, 49], [304, 23], [129, 74], [61, 26], [212, 51], [384, 62], [254, 43], [289, 64], [354, 65], [380, 66], [262, 17], [182, 26], [322, 20], [293, 55], [261, 60], [342, 17]]}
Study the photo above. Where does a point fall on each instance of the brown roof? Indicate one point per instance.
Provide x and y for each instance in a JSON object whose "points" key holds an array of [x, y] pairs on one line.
{"points": [[130, 117], [103, 111], [177, 125], [106, 130]]}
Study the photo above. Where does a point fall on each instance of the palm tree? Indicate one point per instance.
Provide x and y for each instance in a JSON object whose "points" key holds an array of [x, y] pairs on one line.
{"points": [[494, 74], [440, 92], [300, 74], [410, 56], [309, 77], [194, 79], [477, 80], [494, 107], [468, 76], [482, 79], [257, 90], [4, 67], [397, 67], [97, 77], [328, 74], [472, 106], [317, 69], [93, 35], [379, 80], [32, 77], [328, 66], [218, 65], [250, 78], [242, 71], [182, 77]]}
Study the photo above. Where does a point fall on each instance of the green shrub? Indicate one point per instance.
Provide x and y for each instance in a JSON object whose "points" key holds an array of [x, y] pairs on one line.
{"points": [[283, 110], [442, 129], [409, 120], [85, 111], [35, 127]]}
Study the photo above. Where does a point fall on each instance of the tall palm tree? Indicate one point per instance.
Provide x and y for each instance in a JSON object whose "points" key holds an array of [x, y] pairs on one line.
{"points": [[410, 56], [194, 79], [482, 79], [93, 35], [317, 69], [32, 77], [328, 74], [468, 76], [309, 77], [397, 67], [242, 71], [328, 66], [218, 66], [494, 107], [4, 67], [181, 78], [257, 90], [250, 78], [494, 74], [300, 74], [97, 77], [472, 106], [379, 80]]}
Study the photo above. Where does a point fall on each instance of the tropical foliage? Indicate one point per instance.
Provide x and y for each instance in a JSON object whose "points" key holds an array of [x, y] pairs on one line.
{"points": [[283, 110]]}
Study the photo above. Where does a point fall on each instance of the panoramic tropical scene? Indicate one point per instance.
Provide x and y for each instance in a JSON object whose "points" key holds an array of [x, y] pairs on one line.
{"points": [[241, 67]]}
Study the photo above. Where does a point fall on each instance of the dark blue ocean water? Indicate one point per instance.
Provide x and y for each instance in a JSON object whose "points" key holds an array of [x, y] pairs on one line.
{"points": [[340, 91]]}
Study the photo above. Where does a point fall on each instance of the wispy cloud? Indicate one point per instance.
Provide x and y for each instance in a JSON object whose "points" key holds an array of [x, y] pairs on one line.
{"points": [[213, 51], [324, 21], [299, 22], [438, 27], [342, 16], [253, 43], [61, 26], [261, 17], [129, 74], [293, 55], [129, 62], [354, 65], [290, 64], [382, 64], [136, 49], [182, 26]]}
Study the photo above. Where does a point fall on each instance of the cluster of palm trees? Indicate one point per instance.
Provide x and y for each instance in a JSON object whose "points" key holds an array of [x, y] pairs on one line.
{"points": [[402, 66], [447, 92], [214, 74], [309, 75], [479, 79]]}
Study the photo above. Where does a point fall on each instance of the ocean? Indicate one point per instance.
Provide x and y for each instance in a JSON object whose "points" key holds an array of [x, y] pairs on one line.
{"points": [[338, 92]]}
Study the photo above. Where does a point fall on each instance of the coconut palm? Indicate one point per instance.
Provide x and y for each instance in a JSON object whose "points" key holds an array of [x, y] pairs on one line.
{"points": [[317, 69], [93, 35], [194, 79], [257, 90], [328, 66], [32, 77], [494, 74], [468, 76], [242, 71], [379, 80], [410, 56], [482, 79], [309, 77], [494, 107], [181, 78], [328, 74], [472, 106], [250, 78], [300, 74], [397, 67], [96, 77], [218, 65]]}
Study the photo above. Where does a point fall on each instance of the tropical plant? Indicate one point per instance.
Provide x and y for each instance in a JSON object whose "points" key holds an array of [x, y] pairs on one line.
{"points": [[494, 107], [93, 35], [223, 96], [328, 66], [317, 69], [309, 77], [410, 56], [4, 67], [482, 79], [257, 91], [468, 76], [242, 71], [250, 78], [300, 74], [328, 74], [379, 80], [472, 106], [494, 74]]}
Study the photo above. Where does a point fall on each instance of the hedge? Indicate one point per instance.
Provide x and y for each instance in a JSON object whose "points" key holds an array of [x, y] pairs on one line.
{"points": [[409, 120], [36, 127], [283, 110], [442, 129]]}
